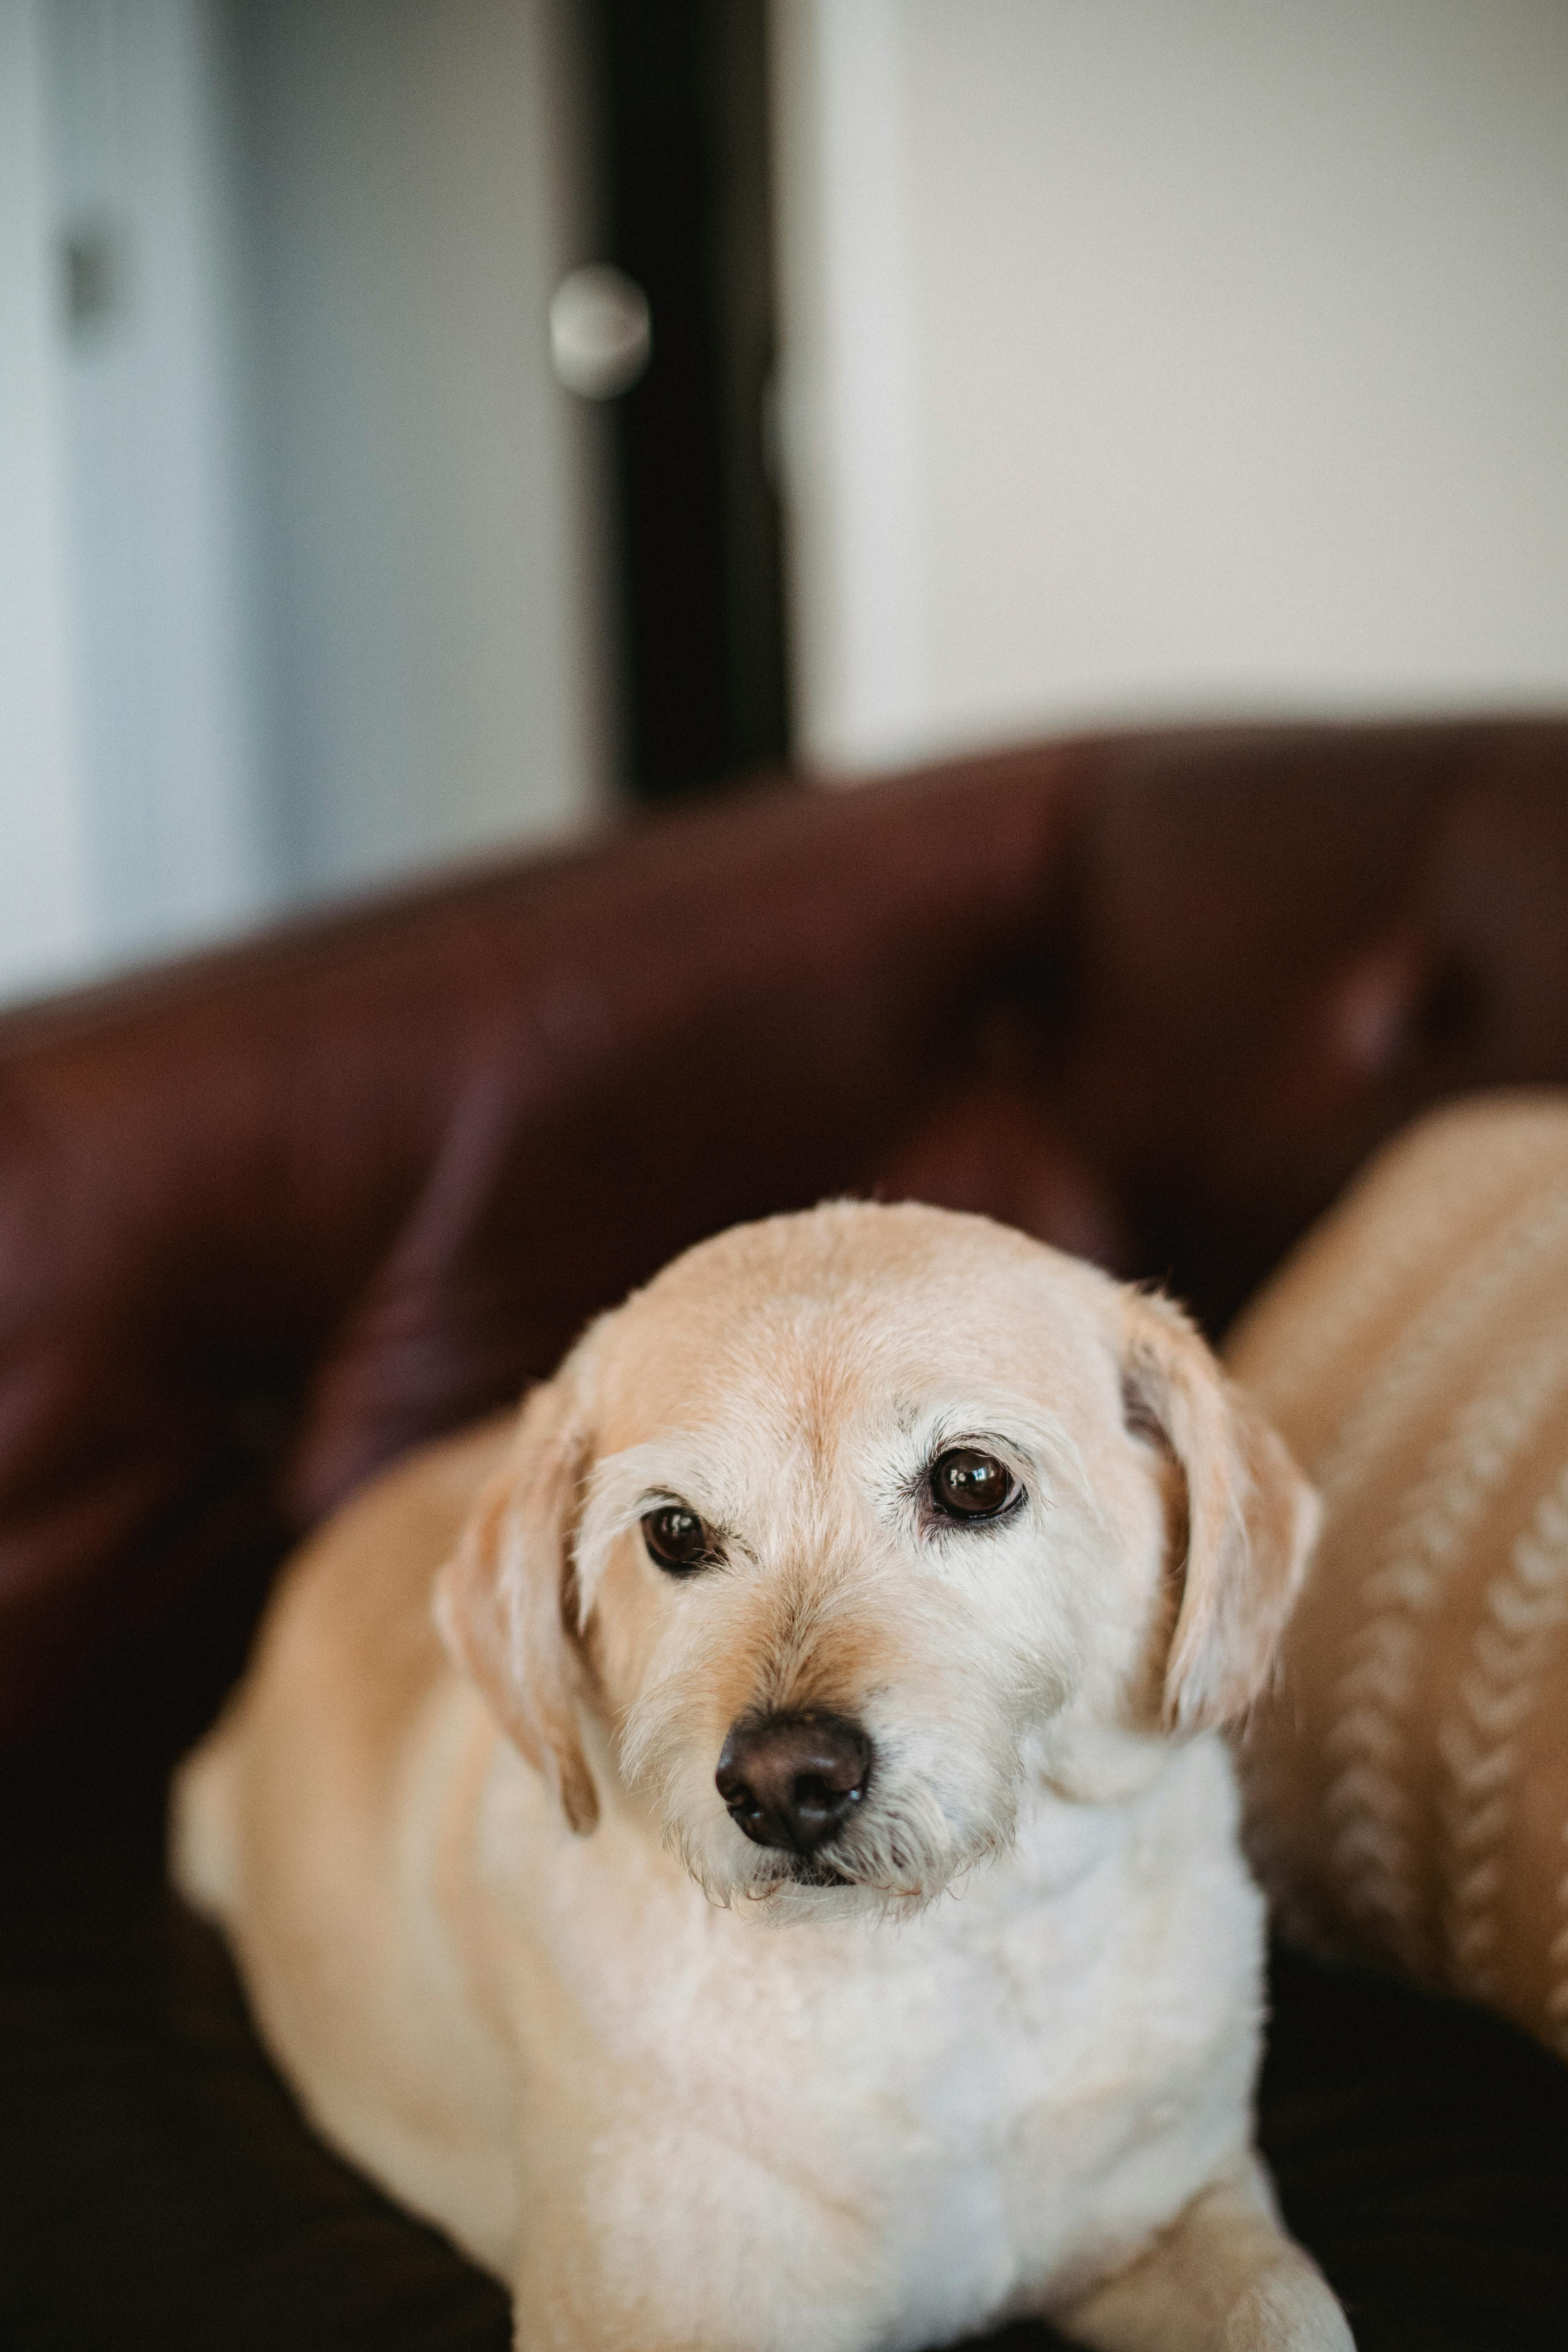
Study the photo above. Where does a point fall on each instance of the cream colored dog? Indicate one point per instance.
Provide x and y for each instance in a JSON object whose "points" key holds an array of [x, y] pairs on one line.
{"points": [[800, 1906]]}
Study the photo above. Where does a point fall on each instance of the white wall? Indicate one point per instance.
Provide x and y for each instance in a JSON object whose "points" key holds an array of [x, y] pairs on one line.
{"points": [[1144, 358]]}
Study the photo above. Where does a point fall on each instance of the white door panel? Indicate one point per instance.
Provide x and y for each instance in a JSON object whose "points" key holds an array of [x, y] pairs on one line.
{"points": [[45, 895], [304, 561], [434, 500]]}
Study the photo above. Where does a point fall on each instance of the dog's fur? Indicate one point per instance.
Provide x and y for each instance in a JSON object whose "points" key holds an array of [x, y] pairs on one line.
{"points": [[520, 1963]]}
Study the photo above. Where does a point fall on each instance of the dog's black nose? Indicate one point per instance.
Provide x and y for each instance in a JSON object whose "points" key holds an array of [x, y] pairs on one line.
{"points": [[791, 1780]]}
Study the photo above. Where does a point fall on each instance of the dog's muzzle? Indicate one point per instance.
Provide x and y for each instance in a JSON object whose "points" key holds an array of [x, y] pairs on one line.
{"points": [[794, 1781]]}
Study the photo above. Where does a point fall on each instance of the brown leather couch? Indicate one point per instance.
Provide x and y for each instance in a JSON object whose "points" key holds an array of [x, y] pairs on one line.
{"points": [[272, 1215]]}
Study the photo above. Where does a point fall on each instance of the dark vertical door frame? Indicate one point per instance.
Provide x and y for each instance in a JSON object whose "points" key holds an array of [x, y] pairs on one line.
{"points": [[684, 120]]}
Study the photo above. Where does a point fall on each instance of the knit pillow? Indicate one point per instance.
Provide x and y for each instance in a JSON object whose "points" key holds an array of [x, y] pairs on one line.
{"points": [[1407, 1778]]}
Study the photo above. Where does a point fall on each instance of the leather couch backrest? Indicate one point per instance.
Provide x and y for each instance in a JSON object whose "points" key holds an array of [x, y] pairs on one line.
{"points": [[272, 1215]]}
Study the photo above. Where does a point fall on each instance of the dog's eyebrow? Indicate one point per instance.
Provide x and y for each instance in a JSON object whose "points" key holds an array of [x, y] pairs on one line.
{"points": [[679, 1467], [687, 1465]]}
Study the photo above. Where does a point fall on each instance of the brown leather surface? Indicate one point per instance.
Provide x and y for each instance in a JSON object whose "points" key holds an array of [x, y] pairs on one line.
{"points": [[269, 1216]]}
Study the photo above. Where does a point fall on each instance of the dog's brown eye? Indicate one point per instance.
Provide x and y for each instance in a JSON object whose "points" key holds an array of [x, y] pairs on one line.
{"points": [[968, 1484], [676, 1539]]}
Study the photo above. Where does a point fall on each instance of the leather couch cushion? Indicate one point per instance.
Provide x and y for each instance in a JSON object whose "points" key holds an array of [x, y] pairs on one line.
{"points": [[159, 2191], [1408, 1779]]}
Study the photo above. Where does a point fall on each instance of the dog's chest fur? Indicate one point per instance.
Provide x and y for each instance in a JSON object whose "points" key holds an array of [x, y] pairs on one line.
{"points": [[901, 2130]]}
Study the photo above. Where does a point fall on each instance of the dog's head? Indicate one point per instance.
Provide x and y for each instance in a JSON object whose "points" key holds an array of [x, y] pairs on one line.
{"points": [[849, 1524]]}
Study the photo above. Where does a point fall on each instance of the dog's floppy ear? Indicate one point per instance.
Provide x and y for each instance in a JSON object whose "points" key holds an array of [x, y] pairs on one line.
{"points": [[1251, 1517], [504, 1600]]}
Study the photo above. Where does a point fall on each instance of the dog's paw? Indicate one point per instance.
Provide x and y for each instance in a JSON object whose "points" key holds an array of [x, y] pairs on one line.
{"points": [[1288, 2309]]}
